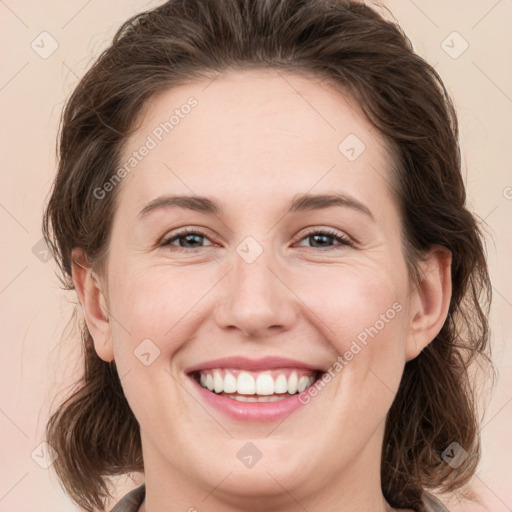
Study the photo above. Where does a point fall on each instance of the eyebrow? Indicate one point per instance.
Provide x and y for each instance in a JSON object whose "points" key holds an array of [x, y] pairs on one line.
{"points": [[299, 203]]}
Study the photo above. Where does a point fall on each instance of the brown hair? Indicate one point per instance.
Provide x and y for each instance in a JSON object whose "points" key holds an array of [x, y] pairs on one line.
{"points": [[94, 431]]}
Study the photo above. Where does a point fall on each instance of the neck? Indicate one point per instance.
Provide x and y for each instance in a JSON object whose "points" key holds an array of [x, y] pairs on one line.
{"points": [[356, 486]]}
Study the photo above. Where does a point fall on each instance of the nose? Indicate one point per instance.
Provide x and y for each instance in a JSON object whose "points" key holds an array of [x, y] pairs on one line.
{"points": [[255, 299]]}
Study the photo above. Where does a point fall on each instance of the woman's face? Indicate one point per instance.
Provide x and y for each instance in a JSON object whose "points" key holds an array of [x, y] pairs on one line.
{"points": [[257, 282]]}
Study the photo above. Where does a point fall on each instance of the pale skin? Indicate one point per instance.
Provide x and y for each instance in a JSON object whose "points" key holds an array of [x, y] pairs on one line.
{"points": [[255, 140]]}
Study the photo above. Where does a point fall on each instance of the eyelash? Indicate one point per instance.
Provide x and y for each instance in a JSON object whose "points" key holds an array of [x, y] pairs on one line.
{"points": [[342, 239]]}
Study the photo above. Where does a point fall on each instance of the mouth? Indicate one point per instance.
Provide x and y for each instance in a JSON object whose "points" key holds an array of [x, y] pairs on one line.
{"points": [[248, 390], [269, 385]]}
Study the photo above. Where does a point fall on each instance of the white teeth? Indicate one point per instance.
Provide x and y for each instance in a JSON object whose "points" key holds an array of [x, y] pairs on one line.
{"points": [[245, 384], [230, 383], [209, 382], [292, 383], [303, 384], [264, 384], [257, 398], [218, 381], [281, 384]]}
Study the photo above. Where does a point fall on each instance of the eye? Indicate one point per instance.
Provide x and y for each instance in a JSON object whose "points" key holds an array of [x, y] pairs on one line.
{"points": [[191, 239], [323, 236], [184, 237]]}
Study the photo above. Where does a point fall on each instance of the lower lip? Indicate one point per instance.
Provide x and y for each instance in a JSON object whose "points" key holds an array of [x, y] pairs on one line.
{"points": [[252, 411]]}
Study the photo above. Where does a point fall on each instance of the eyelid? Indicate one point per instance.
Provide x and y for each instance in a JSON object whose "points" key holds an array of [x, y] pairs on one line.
{"points": [[344, 240], [182, 233]]}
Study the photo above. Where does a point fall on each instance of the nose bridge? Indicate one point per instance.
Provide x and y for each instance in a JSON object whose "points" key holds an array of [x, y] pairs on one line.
{"points": [[255, 298]]}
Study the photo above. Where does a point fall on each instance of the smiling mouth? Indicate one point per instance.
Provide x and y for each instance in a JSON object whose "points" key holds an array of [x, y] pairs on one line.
{"points": [[264, 386]]}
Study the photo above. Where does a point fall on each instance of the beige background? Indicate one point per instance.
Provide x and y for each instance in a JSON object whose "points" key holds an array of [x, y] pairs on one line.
{"points": [[34, 309]]}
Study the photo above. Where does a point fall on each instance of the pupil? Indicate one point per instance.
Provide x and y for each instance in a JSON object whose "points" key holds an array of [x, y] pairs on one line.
{"points": [[320, 236], [191, 236]]}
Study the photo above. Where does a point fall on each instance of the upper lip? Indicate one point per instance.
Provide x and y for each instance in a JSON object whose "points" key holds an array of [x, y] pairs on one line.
{"points": [[264, 363]]}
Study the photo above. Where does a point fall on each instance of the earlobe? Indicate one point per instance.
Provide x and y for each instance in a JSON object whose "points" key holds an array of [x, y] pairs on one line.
{"points": [[431, 300], [94, 305]]}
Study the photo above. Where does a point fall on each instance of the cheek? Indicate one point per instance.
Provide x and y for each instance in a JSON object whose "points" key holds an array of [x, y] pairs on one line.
{"points": [[361, 314], [354, 306], [350, 300], [152, 310], [154, 303]]}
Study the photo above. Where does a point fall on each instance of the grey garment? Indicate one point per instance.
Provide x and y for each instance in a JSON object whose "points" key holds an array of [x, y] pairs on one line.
{"points": [[432, 504], [133, 500]]}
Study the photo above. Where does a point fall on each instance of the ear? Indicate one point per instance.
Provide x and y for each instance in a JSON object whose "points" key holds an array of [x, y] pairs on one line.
{"points": [[94, 305], [430, 300]]}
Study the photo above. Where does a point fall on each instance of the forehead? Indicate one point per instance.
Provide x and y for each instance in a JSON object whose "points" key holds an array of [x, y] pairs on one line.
{"points": [[254, 132]]}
